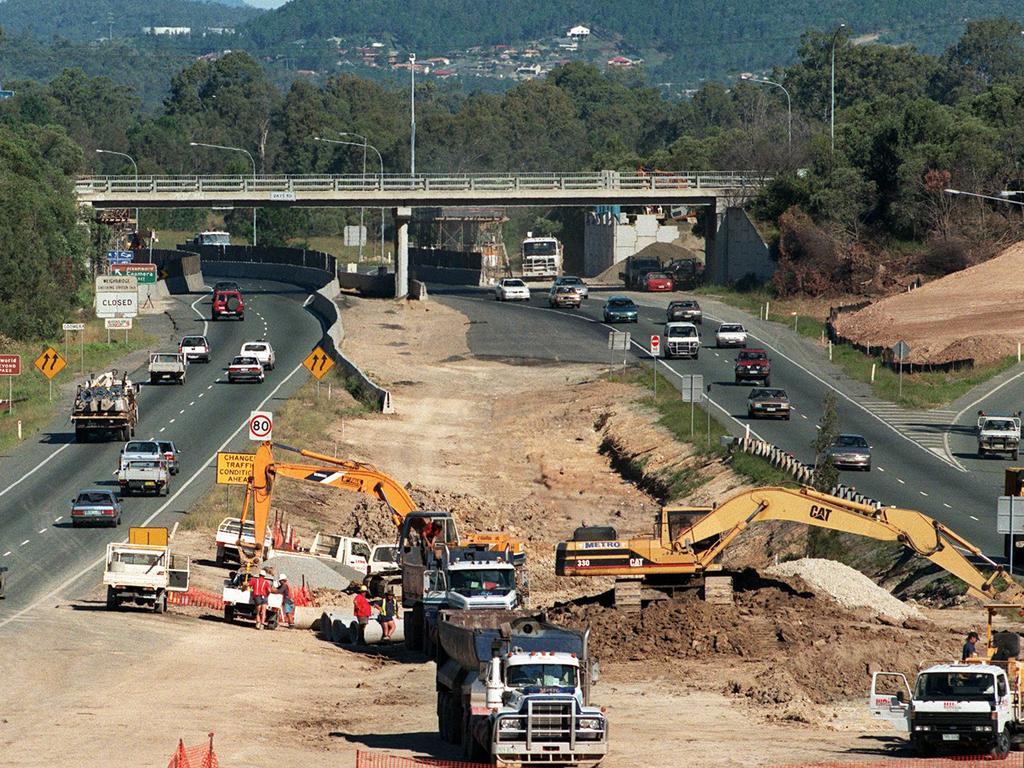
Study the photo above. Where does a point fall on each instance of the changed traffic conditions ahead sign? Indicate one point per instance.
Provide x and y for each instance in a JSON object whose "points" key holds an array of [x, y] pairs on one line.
{"points": [[234, 468], [261, 425], [318, 363], [50, 363]]}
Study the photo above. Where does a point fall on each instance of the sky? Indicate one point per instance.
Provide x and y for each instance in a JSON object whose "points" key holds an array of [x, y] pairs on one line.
{"points": [[266, 3]]}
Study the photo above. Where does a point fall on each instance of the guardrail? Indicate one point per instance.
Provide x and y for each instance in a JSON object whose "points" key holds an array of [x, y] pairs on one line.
{"points": [[526, 182]]}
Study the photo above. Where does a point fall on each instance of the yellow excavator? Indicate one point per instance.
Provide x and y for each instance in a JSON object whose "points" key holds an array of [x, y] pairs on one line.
{"points": [[684, 551], [347, 476]]}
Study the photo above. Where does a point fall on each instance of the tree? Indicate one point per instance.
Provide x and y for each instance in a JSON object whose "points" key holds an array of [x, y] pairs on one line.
{"points": [[826, 476]]}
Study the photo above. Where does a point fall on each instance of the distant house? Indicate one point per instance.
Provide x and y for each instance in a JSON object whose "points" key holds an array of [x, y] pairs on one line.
{"points": [[579, 32], [167, 30], [621, 61], [528, 72], [439, 61], [220, 30], [307, 72], [444, 74]]}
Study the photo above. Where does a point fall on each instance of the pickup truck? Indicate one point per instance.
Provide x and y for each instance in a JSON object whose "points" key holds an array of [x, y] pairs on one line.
{"points": [[195, 348], [143, 573], [998, 434], [167, 365], [238, 603], [140, 449], [144, 476], [227, 539]]}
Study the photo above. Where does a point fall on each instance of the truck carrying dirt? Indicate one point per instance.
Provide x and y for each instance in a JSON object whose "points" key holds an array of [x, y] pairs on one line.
{"points": [[513, 688], [105, 405]]}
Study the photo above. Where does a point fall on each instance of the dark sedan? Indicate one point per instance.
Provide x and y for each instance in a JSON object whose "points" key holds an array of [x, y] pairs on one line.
{"points": [[96, 505], [620, 309]]}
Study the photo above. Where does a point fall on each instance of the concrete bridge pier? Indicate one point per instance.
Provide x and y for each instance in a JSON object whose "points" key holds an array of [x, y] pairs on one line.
{"points": [[402, 216]]}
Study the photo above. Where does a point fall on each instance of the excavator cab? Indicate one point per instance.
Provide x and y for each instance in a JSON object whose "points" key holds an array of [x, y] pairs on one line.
{"points": [[673, 523]]}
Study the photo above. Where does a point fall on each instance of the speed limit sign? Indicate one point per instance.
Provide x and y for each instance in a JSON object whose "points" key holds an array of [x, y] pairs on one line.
{"points": [[261, 425]]}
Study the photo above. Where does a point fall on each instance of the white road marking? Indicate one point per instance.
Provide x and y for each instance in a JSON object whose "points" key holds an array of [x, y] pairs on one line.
{"points": [[194, 402], [946, 505], [23, 543], [201, 394], [170, 422], [803, 416], [212, 460], [206, 323], [210, 387], [922, 493], [59, 519], [972, 517], [181, 411], [162, 428], [880, 469], [34, 469], [7, 553], [42, 530], [900, 481]]}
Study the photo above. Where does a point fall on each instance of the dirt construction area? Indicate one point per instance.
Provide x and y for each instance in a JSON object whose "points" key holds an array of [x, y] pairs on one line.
{"points": [[778, 678], [975, 313]]}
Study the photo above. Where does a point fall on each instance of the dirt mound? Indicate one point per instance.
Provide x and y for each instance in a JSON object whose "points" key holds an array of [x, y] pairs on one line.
{"points": [[975, 313], [827, 652], [666, 253]]}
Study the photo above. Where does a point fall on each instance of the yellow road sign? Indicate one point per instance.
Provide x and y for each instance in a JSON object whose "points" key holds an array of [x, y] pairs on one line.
{"points": [[50, 363], [234, 468], [318, 362]]}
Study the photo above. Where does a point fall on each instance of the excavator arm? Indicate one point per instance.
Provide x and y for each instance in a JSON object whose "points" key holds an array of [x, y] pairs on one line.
{"points": [[695, 547]]}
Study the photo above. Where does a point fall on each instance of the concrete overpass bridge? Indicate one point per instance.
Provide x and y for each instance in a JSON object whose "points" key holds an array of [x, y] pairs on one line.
{"points": [[401, 193]]}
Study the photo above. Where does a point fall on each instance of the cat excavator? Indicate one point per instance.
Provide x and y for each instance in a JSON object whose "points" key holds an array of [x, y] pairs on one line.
{"points": [[684, 551]]}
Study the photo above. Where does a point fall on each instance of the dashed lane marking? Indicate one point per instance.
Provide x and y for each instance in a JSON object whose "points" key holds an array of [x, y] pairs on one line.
{"points": [[193, 402], [201, 394], [23, 543], [211, 386], [162, 428], [900, 481], [973, 517], [42, 530], [34, 469], [169, 422], [880, 469], [7, 553], [922, 493], [59, 519], [181, 411], [946, 505]]}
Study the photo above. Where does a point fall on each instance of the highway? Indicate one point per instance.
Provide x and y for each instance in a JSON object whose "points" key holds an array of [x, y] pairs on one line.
{"points": [[47, 558], [908, 470]]}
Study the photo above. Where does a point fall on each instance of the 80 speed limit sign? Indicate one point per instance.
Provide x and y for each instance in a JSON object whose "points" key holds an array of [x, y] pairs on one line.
{"points": [[261, 425]]}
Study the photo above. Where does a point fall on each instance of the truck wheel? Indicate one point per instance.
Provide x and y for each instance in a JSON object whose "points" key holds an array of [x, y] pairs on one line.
{"points": [[112, 601], [924, 746], [229, 613], [153, 378], [272, 619], [220, 559], [1001, 746], [981, 452], [768, 381], [126, 433], [1016, 452], [160, 604]]}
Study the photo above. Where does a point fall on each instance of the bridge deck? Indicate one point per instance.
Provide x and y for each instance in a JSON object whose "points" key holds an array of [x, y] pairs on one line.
{"points": [[603, 187]]}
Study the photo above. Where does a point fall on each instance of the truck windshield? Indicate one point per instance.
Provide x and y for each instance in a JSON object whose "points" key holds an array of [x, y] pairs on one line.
{"points": [[541, 676], [956, 686], [1000, 426], [482, 581], [682, 332], [543, 248]]}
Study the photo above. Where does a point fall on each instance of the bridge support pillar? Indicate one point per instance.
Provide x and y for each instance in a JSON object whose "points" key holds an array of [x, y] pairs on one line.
{"points": [[402, 216]]}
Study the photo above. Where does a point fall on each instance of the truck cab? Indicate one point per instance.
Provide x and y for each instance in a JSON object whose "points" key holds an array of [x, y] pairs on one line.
{"points": [[475, 578]]}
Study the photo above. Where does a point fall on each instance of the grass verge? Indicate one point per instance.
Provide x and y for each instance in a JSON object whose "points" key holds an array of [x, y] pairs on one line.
{"points": [[32, 404], [918, 390], [698, 426]]}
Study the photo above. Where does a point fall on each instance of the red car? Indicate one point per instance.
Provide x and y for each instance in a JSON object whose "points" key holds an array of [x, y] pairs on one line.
{"points": [[228, 304], [753, 365], [657, 281]]}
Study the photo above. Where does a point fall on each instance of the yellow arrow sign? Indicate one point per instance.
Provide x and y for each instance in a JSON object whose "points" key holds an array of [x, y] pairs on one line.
{"points": [[318, 363], [234, 468], [50, 363]]}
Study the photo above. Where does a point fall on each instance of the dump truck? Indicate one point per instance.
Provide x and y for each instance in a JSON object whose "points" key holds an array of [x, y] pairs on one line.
{"points": [[514, 689], [144, 570], [106, 405], [972, 706], [635, 270]]}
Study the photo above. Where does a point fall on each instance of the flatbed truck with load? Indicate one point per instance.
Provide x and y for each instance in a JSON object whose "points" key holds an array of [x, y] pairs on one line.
{"points": [[514, 689], [107, 405], [144, 570], [167, 365]]}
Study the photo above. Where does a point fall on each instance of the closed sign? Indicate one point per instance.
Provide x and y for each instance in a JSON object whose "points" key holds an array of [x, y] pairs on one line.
{"points": [[120, 304]]}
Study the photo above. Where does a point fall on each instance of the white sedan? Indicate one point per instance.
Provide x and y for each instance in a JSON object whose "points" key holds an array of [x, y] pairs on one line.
{"points": [[262, 351], [511, 289], [731, 335]]}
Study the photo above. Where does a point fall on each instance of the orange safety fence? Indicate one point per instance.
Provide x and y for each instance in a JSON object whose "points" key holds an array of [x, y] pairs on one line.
{"points": [[201, 756], [1015, 760], [197, 598], [386, 760]]}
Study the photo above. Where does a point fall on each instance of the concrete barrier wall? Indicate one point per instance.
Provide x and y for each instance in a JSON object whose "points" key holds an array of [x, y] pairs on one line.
{"points": [[447, 275], [368, 285]]}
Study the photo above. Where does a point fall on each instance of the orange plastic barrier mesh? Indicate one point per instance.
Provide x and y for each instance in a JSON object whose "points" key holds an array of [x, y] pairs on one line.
{"points": [[1015, 760], [196, 597], [201, 756], [385, 760]]}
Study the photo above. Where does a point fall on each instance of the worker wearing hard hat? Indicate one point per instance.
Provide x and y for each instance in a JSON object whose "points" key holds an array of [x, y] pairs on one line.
{"points": [[260, 587], [287, 603], [362, 609]]}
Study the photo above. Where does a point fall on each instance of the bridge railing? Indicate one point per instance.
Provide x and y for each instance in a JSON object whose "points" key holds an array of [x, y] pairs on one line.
{"points": [[525, 182]]}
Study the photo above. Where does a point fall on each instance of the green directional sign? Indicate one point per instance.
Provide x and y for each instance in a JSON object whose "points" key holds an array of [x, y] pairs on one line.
{"points": [[144, 273]]}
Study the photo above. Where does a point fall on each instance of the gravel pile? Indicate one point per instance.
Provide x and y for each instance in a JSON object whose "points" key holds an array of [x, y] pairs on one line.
{"points": [[847, 586], [318, 572]]}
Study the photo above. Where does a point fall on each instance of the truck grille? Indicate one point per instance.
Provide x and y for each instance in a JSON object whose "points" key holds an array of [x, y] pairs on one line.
{"points": [[550, 720], [952, 721]]}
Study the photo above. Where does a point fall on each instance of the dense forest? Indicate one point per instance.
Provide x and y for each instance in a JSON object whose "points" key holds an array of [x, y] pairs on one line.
{"points": [[907, 125]]}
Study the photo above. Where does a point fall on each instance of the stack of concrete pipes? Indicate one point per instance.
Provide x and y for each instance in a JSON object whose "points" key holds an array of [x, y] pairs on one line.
{"points": [[342, 628]]}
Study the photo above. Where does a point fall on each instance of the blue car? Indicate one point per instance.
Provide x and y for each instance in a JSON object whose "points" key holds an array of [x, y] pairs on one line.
{"points": [[620, 309]]}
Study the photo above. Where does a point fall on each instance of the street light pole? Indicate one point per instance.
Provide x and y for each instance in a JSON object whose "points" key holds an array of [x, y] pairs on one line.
{"points": [[365, 145], [412, 115], [251, 160], [789, 101], [832, 109], [135, 166], [368, 145], [1002, 198]]}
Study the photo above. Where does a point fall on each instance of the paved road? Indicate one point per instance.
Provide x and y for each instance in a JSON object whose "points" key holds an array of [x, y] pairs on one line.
{"points": [[910, 469], [47, 558]]}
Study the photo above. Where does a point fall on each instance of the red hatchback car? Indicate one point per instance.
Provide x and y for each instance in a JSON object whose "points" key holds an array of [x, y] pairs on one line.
{"points": [[657, 281]]}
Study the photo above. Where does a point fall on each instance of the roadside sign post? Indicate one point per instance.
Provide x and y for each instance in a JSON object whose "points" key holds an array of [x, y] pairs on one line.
{"points": [[10, 366], [620, 341], [692, 390], [1009, 523], [900, 350], [50, 363], [118, 324], [78, 328], [261, 426], [318, 363], [655, 351]]}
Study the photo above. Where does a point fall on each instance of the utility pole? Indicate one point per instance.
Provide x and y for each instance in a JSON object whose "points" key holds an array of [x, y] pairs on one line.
{"points": [[832, 109], [412, 115]]}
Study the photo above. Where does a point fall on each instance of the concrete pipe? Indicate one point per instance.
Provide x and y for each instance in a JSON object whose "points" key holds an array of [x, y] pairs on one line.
{"points": [[324, 626], [307, 616], [374, 634], [339, 631]]}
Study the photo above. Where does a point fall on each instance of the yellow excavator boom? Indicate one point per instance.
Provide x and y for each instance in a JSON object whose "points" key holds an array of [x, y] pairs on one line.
{"points": [[693, 548]]}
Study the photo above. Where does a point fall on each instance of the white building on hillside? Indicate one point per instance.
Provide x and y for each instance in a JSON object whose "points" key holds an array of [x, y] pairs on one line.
{"points": [[579, 32]]}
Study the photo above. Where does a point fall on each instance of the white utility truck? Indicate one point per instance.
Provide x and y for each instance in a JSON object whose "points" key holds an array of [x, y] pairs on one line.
{"points": [[144, 570], [167, 365], [998, 434]]}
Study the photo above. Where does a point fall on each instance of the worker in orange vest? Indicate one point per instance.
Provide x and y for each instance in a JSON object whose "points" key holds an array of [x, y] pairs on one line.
{"points": [[260, 587]]}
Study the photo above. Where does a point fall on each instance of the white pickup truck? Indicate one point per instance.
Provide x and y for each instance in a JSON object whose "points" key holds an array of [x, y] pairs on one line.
{"points": [[227, 539], [998, 434], [167, 365], [144, 476], [143, 573]]}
